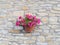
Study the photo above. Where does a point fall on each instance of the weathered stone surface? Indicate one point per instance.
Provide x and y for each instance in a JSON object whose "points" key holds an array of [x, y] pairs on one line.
{"points": [[44, 20], [44, 27], [18, 13], [3, 42], [47, 33], [42, 14], [25, 8], [59, 19], [29, 41], [56, 7], [41, 39], [53, 20], [14, 31], [55, 11], [28, 35]]}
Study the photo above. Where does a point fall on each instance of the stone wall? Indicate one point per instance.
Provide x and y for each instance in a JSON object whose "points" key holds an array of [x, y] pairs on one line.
{"points": [[48, 33]]}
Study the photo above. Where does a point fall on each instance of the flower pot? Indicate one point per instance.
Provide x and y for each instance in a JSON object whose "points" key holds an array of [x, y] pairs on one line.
{"points": [[29, 29]]}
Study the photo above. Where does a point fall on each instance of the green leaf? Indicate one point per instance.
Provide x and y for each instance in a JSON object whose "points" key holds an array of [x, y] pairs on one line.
{"points": [[27, 20]]}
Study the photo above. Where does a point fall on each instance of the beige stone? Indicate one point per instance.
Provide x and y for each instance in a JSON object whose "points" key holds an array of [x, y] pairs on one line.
{"points": [[27, 34], [11, 38], [14, 31], [55, 11], [24, 44], [27, 0], [42, 14], [12, 19], [54, 26], [1, 16], [53, 19], [56, 8], [52, 2], [53, 43], [18, 13], [49, 38], [5, 6], [4, 43], [33, 38], [29, 41], [41, 39], [25, 8], [42, 10], [52, 14], [1, 22]]}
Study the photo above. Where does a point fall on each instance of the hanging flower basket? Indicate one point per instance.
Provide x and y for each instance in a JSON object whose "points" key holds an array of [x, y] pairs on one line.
{"points": [[28, 22]]}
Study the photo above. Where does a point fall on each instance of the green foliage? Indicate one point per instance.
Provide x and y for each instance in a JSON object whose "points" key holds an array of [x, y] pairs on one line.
{"points": [[27, 20]]}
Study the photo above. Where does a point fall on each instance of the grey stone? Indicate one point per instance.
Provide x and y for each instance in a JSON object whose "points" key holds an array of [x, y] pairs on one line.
{"points": [[46, 33]]}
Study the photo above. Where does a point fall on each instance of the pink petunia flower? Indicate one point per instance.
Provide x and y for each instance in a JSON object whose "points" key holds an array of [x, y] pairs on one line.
{"points": [[29, 24], [20, 17], [24, 24], [34, 17], [33, 23], [38, 21], [22, 20], [29, 16], [17, 23]]}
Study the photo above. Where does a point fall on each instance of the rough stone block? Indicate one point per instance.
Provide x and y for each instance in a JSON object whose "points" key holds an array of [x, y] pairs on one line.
{"points": [[14, 31], [18, 13]]}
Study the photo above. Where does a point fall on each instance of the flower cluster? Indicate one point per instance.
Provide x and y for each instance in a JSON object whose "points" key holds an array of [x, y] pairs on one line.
{"points": [[29, 20]]}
